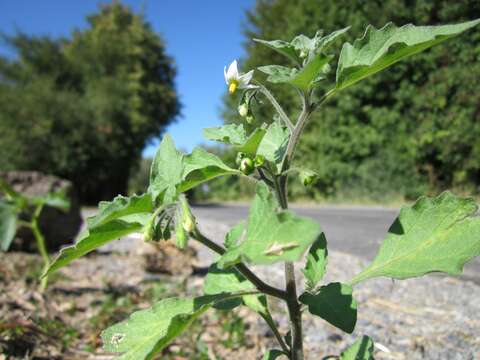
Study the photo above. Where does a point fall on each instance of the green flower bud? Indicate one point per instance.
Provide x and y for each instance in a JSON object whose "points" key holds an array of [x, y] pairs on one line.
{"points": [[239, 158], [149, 229], [243, 109], [303, 54], [249, 118], [259, 160], [247, 166], [308, 177]]}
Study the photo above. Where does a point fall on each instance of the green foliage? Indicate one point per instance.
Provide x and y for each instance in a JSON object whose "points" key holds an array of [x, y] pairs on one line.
{"points": [[379, 49], [362, 349], [83, 108], [403, 132], [147, 332], [271, 236], [8, 224], [439, 234], [334, 303], [316, 263]]}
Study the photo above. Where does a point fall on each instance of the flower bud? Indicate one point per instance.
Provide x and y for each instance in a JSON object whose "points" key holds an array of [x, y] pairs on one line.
{"points": [[239, 158], [259, 160], [303, 54], [246, 166], [243, 109], [249, 119], [308, 177]]}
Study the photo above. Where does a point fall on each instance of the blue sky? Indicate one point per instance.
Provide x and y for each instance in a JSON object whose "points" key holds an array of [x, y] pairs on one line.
{"points": [[202, 37]]}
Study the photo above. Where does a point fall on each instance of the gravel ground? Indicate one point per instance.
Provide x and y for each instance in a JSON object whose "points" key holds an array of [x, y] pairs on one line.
{"points": [[433, 317]]}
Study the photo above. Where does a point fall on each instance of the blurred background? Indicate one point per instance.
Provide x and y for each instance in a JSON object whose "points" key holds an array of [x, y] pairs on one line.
{"points": [[88, 88]]}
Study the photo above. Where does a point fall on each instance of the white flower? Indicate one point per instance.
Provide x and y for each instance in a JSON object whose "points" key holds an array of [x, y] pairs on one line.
{"points": [[236, 80]]}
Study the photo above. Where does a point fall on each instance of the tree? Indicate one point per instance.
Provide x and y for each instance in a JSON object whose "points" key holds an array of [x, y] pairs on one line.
{"points": [[71, 107], [405, 131]]}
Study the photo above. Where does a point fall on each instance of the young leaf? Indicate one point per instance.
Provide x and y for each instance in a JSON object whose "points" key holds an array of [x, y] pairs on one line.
{"points": [[324, 43], [146, 332], [273, 354], [438, 234], [236, 136], [201, 166], [8, 224], [271, 236], [316, 262], [166, 172], [379, 49], [309, 74], [335, 304], [361, 349], [274, 144]]}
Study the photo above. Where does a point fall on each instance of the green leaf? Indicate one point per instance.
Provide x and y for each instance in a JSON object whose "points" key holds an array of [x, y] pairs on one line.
{"points": [[361, 349], [220, 281], [201, 166], [324, 43], [434, 234], [271, 236], [381, 48], [8, 224], [93, 239], [334, 303], [283, 47], [311, 71], [278, 74], [234, 235], [274, 144], [236, 136], [146, 332], [7, 189], [273, 354], [166, 172], [316, 262], [119, 208]]}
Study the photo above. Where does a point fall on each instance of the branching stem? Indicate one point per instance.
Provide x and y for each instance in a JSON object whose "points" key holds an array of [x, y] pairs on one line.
{"points": [[276, 105]]}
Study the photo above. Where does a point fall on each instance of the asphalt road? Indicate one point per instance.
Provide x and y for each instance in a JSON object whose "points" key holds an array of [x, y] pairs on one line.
{"points": [[355, 230]]}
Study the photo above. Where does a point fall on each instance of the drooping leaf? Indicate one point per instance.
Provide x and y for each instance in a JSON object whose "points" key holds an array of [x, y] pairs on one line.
{"points": [[201, 166], [146, 332], [120, 207], [334, 303], [434, 234], [316, 262], [361, 349], [274, 144], [166, 172], [271, 236], [236, 136], [273, 354], [283, 47], [381, 48], [8, 224], [93, 239]]}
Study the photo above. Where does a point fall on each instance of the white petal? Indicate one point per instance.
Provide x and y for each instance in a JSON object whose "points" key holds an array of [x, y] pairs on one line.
{"points": [[232, 72], [245, 79], [225, 74]]}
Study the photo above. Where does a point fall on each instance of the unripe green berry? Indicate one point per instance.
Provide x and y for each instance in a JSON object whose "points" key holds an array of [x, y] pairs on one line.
{"points": [[247, 166], [259, 160], [239, 158]]}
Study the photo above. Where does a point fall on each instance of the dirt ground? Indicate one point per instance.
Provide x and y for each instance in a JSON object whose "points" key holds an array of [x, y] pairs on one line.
{"points": [[99, 290]]}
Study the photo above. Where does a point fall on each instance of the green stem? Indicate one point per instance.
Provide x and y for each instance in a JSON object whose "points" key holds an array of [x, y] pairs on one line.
{"points": [[42, 248], [271, 324], [276, 105]]}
